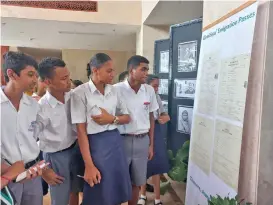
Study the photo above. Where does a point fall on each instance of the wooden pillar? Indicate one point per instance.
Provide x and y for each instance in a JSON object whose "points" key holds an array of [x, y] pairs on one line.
{"points": [[4, 49]]}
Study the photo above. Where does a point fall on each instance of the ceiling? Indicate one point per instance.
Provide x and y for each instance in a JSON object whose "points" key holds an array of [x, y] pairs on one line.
{"points": [[67, 35], [174, 12]]}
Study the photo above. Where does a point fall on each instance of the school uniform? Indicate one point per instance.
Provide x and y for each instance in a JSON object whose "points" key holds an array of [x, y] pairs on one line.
{"points": [[135, 134], [18, 142], [106, 145], [160, 162], [58, 143]]}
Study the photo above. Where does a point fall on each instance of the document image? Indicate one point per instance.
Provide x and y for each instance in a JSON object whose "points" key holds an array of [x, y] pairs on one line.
{"points": [[208, 86], [184, 88], [227, 152], [164, 62], [187, 56], [163, 87], [201, 142], [165, 105], [233, 87], [184, 119]]}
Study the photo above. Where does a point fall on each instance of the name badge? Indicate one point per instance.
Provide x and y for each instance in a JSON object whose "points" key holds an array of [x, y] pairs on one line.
{"points": [[146, 105], [32, 126]]}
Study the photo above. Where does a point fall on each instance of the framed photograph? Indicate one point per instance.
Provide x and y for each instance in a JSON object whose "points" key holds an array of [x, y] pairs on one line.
{"points": [[164, 62], [163, 86], [187, 56], [184, 88], [184, 119], [165, 105]]}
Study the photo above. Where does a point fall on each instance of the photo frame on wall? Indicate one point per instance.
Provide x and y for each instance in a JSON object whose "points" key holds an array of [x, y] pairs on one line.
{"points": [[163, 86], [187, 56], [164, 62], [184, 119], [165, 105], [184, 88]]}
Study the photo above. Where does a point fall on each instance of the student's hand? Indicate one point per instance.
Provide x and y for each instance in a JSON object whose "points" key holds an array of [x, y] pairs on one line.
{"points": [[14, 170], [92, 175], [51, 177], [32, 173], [104, 118], [151, 152], [164, 119]]}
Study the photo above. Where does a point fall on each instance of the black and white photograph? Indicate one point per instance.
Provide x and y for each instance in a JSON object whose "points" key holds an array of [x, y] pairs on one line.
{"points": [[184, 119], [165, 106], [187, 56], [163, 87], [164, 62], [184, 88]]}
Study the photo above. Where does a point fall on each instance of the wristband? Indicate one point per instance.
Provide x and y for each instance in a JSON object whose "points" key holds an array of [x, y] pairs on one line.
{"points": [[6, 178]]}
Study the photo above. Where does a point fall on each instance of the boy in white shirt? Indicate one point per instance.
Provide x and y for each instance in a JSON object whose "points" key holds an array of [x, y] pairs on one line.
{"points": [[58, 140]]}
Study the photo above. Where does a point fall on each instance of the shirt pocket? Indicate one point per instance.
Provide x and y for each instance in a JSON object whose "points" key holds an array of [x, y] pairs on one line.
{"points": [[58, 119]]}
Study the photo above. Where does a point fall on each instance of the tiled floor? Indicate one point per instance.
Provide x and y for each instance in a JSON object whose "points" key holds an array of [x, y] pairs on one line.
{"points": [[166, 199]]}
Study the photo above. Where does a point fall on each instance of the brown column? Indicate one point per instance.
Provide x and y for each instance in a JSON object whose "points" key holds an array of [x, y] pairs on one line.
{"points": [[4, 49]]}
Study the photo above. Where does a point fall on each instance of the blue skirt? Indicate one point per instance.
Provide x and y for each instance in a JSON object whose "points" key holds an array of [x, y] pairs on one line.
{"points": [[160, 162], [107, 151]]}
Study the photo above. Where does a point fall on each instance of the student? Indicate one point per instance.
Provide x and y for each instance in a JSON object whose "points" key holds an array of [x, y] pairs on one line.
{"points": [[57, 139], [18, 120], [94, 105], [76, 83], [160, 163], [40, 89], [138, 135], [123, 76]]}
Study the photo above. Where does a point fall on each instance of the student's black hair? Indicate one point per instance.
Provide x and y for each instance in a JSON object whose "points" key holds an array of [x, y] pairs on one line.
{"points": [[88, 71], [48, 65], [77, 82], [135, 61], [17, 61], [122, 76], [98, 60], [150, 78]]}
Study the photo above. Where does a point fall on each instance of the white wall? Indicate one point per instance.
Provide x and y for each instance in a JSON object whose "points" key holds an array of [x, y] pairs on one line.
{"points": [[77, 60]]}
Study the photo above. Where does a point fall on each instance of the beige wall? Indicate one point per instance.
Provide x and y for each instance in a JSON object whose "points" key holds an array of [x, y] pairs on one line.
{"points": [[146, 38], [111, 12], [147, 8], [77, 60], [213, 10]]}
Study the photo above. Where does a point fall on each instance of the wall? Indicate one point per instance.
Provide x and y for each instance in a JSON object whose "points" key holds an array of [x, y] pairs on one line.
{"points": [[147, 8], [146, 38], [77, 60], [112, 12]]}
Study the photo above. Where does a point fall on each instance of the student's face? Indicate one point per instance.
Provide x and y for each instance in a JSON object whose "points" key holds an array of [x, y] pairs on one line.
{"points": [[140, 73], [155, 84], [105, 73], [41, 89], [60, 80], [185, 116], [27, 80]]}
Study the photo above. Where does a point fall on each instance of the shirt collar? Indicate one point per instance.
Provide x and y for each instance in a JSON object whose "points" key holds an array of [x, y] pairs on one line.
{"points": [[126, 82], [94, 89], [53, 101], [4, 98]]}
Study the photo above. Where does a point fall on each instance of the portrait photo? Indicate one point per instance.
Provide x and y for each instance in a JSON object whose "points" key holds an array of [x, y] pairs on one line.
{"points": [[187, 56], [184, 119], [184, 88]]}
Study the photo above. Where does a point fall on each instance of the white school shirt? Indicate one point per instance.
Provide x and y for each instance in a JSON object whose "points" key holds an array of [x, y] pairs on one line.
{"points": [[18, 141], [160, 109], [56, 131], [139, 105], [86, 99]]}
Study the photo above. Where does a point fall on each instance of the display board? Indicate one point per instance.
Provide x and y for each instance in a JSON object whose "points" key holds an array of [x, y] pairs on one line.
{"points": [[220, 98], [162, 69], [184, 54]]}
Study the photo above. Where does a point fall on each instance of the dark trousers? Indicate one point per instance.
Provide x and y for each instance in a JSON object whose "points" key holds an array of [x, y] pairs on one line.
{"points": [[44, 184]]}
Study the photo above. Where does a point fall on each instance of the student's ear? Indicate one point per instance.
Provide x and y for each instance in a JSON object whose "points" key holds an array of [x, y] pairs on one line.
{"points": [[47, 81], [11, 74]]}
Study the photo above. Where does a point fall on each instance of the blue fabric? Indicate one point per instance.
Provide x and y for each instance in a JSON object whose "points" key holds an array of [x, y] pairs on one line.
{"points": [[107, 151], [160, 163]]}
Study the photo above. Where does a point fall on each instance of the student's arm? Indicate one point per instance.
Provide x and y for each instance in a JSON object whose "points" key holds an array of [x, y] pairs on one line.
{"points": [[124, 117], [10, 172], [78, 115]]}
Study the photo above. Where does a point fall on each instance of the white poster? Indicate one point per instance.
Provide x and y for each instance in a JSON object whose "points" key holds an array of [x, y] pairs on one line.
{"points": [[164, 62], [165, 105], [219, 106], [184, 119], [184, 88], [187, 56], [163, 86]]}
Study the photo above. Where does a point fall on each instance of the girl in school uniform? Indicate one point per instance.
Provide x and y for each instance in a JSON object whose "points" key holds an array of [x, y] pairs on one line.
{"points": [[93, 108], [160, 163]]}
